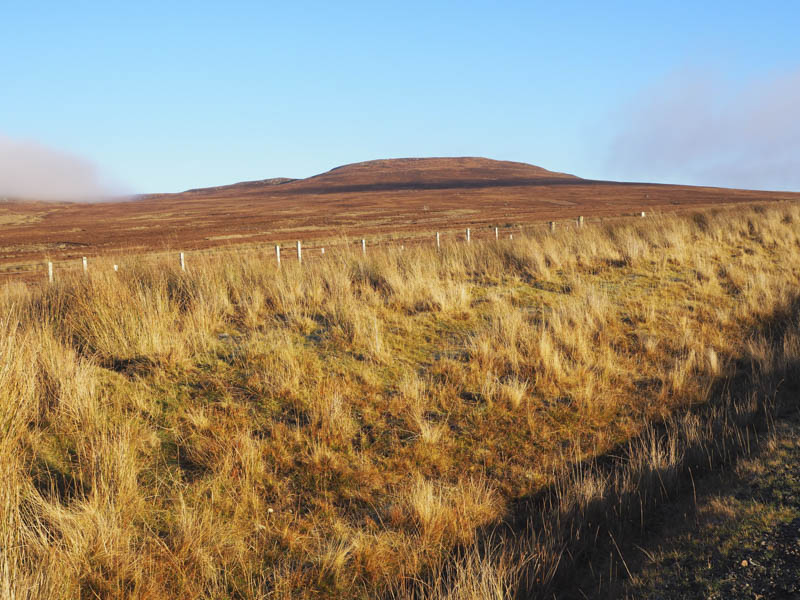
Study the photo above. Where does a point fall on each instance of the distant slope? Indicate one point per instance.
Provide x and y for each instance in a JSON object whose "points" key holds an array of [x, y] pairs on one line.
{"points": [[429, 173], [395, 199], [241, 186], [401, 174]]}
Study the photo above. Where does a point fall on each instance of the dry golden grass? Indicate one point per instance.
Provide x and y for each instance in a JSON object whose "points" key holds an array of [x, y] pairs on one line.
{"points": [[350, 427]]}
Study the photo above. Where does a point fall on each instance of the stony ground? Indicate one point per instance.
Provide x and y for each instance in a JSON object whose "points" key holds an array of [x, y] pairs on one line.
{"points": [[740, 538]]}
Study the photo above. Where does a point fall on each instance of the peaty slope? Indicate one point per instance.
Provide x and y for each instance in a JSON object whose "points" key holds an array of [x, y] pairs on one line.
{"points": [[401, 199]]}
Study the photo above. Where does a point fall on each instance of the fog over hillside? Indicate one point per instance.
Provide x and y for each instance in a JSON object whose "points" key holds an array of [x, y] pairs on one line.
{"points": [[30, 170], [696, 127]]}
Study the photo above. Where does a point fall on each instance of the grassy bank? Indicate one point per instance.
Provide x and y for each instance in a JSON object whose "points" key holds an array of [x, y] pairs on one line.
{"points": [[337, 429]]}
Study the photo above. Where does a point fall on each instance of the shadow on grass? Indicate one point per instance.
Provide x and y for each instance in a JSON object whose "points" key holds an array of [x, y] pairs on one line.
{"points": [[564, 541]]}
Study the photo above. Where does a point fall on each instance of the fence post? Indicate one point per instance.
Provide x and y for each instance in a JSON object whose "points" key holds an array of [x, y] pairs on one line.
{"points": [[85, 266], [496, 234], [278, 253], [552, 226], [299, 252], [183, 262], [580, 221], [438, 243], [323, 251], [50, 272], [363, 246], [644, 214], [468, 235], [116, 268], [511, 236]]}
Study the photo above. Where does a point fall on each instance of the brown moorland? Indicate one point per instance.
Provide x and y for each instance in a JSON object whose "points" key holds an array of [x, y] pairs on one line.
{"points": [[401, 199]]}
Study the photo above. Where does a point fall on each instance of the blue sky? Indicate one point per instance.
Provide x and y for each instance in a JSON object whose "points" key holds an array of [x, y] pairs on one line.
{"points": [[157, 96]]}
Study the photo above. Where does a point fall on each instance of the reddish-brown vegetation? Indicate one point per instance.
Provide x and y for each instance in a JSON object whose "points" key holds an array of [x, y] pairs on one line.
{"points": [[400, 198]]}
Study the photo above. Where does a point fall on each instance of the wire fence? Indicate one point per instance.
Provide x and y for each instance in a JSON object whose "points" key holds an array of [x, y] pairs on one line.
{"points": [[301, 251]]}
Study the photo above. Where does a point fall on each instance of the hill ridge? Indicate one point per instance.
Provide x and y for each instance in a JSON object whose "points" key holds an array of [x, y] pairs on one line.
{"points": [[406, 173]]}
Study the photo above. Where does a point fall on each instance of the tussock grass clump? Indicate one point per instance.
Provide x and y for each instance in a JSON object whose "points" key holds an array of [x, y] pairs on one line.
{"points": [[354, 426]]}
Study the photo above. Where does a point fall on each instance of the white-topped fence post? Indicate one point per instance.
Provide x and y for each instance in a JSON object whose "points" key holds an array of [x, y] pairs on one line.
{"points": [[644, 214], [363, 246], [85, 266], [183, 261], [299, 252], [496, 234], [580, 221], [468, 235], [50, 272], [278, 253], [438, 241]]}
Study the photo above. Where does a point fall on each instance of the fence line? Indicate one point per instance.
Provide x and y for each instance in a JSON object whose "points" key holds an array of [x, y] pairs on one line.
{"points": [[467, 234]]}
